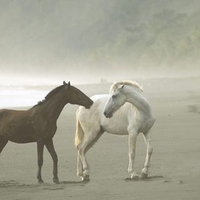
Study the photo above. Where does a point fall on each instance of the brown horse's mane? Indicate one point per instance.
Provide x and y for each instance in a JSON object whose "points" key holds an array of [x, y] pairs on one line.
{"points": [[50, 94]]}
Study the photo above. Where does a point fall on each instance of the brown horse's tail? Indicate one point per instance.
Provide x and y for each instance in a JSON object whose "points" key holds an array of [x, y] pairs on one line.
{"points": [[79, 133]]}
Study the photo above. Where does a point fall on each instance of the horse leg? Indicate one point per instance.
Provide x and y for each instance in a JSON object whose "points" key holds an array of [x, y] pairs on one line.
{"points": [[148, 154], [50, 147], [79, 166], [86, 144], [40, 149], [132, 146], [82, 161], [3, 143]]}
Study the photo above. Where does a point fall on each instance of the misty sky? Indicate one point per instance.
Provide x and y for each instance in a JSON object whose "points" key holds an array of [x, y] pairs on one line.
{"points": [[93, 38]]}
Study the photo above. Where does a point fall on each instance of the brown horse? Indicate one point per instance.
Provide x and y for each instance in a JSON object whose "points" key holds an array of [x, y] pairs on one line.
{"points": [[38, 124]]}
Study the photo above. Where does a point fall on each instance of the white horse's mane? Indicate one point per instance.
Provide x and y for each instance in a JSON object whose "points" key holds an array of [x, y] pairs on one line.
{"points": [[116, 85]]}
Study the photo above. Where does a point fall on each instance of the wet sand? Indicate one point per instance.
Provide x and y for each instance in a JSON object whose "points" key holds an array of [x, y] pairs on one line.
{"points": [[175, 164]]}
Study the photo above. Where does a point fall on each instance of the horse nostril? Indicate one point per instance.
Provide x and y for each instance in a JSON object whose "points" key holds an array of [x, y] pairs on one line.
{"points": [[104, 113]]}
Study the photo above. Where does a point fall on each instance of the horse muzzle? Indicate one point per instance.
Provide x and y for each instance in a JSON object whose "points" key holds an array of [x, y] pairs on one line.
{"points": [[108, 115], [89, 105]]}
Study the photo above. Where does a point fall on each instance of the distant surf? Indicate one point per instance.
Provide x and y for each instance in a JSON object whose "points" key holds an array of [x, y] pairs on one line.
{"points": [[20, 96], [24, 91]]}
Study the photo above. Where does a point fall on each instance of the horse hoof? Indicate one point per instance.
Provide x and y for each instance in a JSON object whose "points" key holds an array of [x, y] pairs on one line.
{"points": [[144, 175], [134, 175], [40, 181], [56, 180], [85, 178]]}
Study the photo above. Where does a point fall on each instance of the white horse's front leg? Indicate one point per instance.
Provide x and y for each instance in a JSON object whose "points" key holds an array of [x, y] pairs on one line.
{"points": [[85, 169], [79, 166], [132, 146], [148, 155]]}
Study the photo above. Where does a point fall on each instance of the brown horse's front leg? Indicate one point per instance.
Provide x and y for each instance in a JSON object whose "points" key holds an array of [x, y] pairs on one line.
{"points": [[50, 148], [40, 148]]}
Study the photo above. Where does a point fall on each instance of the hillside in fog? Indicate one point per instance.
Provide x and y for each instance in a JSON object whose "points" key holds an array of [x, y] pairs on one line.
{"points": [[66, 35]]}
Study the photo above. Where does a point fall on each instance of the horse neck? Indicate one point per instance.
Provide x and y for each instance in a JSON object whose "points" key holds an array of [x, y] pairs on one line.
{"points": [[140, 102], [54, 106]]}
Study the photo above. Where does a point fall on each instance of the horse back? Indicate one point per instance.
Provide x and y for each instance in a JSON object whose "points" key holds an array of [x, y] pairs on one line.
{"points": [[7, 115], [4, 114]]}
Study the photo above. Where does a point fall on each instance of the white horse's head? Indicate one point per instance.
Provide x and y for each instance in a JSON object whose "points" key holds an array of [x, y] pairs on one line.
{"points": [[115, 101], [120, 92]]}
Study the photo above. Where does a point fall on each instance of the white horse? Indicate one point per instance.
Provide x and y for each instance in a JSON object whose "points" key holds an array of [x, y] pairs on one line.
{"points": [[129, 118]]}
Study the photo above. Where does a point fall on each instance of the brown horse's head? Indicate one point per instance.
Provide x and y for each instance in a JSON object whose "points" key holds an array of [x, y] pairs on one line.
{"points": [[75, 96]]}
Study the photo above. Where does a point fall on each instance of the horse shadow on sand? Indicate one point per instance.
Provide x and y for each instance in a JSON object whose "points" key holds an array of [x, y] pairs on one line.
{"points": [[39, 186], [13, 183], [62, 184], [149, 178]]}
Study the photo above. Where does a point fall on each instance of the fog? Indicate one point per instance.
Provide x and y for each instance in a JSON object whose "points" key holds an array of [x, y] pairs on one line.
{"points": [[47, 41]]}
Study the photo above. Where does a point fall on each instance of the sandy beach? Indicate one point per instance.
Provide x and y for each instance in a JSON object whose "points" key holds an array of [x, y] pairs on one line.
{"points": [[175, 164]]}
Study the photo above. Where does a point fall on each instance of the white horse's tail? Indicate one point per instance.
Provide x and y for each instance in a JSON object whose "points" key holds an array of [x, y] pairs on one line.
{"points": [[79, 133]]}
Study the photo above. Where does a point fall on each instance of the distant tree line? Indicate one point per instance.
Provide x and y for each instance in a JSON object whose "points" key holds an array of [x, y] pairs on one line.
{"points": [[169, 38]]}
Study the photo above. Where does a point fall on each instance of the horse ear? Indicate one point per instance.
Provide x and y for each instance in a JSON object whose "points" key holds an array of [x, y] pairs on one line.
{"points": [[122, 86], [64, 83], [69, 85]]}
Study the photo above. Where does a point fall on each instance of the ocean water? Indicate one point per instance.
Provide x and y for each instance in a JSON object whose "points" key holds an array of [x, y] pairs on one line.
{"points": [[22, 92], [20, 97]]}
